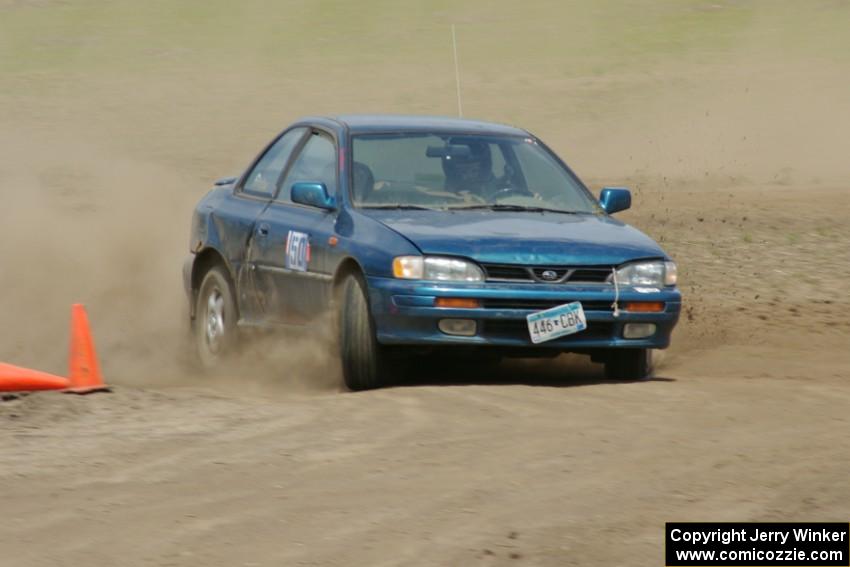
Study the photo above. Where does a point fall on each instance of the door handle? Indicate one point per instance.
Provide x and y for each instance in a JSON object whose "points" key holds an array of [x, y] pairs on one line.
{"points": [[263, 230]]}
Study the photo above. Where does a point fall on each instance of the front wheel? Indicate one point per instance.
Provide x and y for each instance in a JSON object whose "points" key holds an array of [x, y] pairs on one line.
{"points": [[629, 364], [215, 319], [364, 360]]}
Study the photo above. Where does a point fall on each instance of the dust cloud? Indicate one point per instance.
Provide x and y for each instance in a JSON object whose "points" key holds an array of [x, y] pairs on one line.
{"points": [[82, 224]]}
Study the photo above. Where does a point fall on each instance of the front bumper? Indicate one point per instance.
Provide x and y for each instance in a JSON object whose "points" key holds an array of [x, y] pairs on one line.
{"points": [[404, 314]]}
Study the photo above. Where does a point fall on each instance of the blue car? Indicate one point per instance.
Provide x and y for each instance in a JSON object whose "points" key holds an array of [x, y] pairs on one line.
{"points": [[426, 236]]}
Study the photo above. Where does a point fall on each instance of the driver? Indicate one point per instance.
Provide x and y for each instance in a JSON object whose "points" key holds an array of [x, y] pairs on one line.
{"points": [[472, 173]]}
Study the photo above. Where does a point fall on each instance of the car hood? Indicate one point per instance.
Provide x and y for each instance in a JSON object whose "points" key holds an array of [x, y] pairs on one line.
{"points": [[521, 237]]}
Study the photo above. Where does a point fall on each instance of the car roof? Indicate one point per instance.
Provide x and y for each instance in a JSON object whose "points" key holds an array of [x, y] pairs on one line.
{"points": [[366, 123]]}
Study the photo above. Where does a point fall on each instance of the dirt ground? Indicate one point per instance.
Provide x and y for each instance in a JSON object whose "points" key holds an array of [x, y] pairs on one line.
{"points": [[729, 121]]}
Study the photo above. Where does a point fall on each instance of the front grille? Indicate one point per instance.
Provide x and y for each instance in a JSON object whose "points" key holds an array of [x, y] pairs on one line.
{"points": [[507, 273], [591, 275], [541, 304], [547, 274], [518, 328]]}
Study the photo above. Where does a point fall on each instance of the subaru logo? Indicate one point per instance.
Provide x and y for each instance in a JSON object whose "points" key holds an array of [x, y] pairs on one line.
{"points": [[549, 275]]}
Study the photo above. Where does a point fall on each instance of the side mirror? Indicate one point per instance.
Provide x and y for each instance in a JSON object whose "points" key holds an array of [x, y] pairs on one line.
{"points": [[615, 199], [313, 195]]}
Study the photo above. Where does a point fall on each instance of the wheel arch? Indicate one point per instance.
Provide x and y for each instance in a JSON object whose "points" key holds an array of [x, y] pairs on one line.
{"points": [[204, 261], [349, 266]]}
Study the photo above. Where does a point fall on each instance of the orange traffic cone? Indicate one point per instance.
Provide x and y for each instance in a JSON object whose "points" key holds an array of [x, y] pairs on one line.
{"points": [[17, 379], [83, 368]]}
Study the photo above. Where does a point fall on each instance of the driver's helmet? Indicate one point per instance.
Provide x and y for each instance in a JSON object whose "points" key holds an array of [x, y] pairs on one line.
{"points": [[468, 172]]}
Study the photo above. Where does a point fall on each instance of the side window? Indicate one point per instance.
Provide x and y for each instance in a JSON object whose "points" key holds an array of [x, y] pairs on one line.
{"points": [[263, 178], [316, 162]]}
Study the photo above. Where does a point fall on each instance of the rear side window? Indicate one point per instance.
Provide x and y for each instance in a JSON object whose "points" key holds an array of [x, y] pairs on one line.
{"points": [[264, 176], [315, 163]]}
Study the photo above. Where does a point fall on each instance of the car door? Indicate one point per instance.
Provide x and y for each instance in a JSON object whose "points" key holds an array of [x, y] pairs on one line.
{"points": [[291, 256], [250, 198]]}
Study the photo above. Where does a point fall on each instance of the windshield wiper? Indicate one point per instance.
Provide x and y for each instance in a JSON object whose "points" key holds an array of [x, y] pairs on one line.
{"points": [[399, 207], [523, 208]]}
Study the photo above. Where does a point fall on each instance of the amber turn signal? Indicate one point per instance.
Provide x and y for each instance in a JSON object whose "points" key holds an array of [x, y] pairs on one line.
{"points": [[644, 306], [457, 302]]}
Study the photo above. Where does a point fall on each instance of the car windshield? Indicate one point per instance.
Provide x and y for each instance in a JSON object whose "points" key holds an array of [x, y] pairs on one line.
{"points": [[460, 171]]}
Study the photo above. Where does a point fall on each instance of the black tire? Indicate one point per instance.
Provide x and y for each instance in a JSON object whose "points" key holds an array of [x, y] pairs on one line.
{"points": [[216, 315], [629, 364], [364, 360]]}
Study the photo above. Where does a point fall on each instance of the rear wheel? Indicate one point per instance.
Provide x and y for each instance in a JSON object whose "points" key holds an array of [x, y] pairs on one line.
{"points": [[364, 361], [215, 319], [629, 364]]}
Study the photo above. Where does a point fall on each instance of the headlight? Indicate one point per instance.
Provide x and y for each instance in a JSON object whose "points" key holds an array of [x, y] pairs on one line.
{"points": [[647, 274], [436, 268]]}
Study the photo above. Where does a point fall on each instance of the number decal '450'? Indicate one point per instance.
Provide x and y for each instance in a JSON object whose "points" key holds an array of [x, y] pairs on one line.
{"points": [[297, 251]]}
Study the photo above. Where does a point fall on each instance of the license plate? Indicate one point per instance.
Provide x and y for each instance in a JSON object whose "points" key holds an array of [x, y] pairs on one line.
{"points": [[556, 322]]}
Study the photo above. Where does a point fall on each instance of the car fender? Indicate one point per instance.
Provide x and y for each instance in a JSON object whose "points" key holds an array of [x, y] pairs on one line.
{"points": [[370, 243], [205, 240]]}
